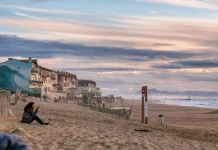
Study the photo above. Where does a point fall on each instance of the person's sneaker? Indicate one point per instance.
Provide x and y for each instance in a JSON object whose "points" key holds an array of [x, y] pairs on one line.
{"points": [[45, 123]]}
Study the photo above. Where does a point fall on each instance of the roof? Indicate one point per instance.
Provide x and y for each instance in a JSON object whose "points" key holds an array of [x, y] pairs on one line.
{"points": [[27, 60], [43, 68], [73, 75], [82, 81], [67, 74]]}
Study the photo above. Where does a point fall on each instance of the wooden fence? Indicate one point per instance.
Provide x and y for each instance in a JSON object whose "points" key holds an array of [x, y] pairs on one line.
{"points": [[123, 112], [5, 103]]}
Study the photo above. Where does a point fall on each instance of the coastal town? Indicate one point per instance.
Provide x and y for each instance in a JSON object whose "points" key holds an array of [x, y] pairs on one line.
{"points": [[108, 75], [28, 78]]}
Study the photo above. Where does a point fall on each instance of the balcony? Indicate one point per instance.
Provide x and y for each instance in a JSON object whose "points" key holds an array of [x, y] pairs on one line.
{"points": [[36, 82], [53, 78], [45, 74], [34, 71]]}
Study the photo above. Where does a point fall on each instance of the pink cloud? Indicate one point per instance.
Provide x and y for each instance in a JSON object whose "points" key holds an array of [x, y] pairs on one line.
{"points": [[187, 3]]}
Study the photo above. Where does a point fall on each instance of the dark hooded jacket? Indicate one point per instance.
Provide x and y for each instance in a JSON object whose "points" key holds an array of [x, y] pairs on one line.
{"points": [[28, 116]]}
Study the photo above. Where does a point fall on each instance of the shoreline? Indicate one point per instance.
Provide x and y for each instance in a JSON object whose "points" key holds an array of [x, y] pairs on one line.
{"points": [[182, 105], [160, 102], [184, 116]]}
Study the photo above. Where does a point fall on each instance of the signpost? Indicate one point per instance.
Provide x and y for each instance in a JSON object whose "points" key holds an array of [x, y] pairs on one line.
{"points": [[144, 104]]}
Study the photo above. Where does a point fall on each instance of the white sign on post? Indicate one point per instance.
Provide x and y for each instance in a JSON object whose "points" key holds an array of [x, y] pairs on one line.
{"points": [[146, 109]]}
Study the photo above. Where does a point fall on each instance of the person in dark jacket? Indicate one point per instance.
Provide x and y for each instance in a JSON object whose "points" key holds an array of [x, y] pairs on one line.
{"points": [[29, 115], [11, 142]]}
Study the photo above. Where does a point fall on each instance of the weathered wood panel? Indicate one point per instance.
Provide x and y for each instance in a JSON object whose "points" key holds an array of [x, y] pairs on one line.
{"points": [[5, 103], [126, 113]]}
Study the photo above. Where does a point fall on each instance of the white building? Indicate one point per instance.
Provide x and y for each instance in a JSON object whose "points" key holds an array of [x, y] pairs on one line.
{"points": [[88, 87]]}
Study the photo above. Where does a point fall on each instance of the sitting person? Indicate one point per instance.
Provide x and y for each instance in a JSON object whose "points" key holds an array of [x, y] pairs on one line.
{"points": [[29, 115], [11, 142]]}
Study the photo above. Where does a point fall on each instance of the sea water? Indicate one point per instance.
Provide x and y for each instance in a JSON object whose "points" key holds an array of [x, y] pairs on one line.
{"points": [[194, 102]]}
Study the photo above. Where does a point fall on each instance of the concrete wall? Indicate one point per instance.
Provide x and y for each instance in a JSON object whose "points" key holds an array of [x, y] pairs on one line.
{"points": [[37, 92], [15, 75], [53, 95]]}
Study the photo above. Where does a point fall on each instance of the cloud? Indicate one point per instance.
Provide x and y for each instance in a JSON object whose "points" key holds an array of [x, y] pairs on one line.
{"points": [[102, 69], [120, 53], [187, 75], [27, 16], [11, 45], [174, 35], [201, 4], [40, 10], [41, 0], [189, 64], [203, 78], [110, 89], [168, 66], [199, 63], [153, 12], [163, 44]]}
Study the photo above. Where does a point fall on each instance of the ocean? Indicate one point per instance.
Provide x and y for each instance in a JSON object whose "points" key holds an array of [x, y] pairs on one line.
{"points": [[206, 102]]}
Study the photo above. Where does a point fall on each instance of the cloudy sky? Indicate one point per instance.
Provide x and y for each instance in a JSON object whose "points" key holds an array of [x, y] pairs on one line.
{"points": [[122, 44]]}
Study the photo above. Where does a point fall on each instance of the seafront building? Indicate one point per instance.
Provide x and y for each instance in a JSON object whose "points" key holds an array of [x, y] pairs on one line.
{"points": [[67, 82], [112, 99], [88, 87], [30, 78]]}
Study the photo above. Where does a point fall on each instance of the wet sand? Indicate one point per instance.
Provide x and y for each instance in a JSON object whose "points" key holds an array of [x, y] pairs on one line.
{"points": [[178, 115]]}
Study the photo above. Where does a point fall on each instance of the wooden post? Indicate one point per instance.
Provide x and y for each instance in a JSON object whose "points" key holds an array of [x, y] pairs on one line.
{"points": [[146, 110], [144, 105], [130, 111], [4, 103]]}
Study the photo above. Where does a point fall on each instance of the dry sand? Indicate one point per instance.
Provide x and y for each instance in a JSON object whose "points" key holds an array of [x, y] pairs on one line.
{"points": [[74, 127]]}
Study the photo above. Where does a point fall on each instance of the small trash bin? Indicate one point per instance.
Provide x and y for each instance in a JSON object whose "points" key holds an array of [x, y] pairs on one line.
{"points": [[161, 119]]}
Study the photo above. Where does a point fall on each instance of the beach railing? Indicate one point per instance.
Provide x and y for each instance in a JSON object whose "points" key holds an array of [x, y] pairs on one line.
{"points": [[5, 103], [122, 112]]}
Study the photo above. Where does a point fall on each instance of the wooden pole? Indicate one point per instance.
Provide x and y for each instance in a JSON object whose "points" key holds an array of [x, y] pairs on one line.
{"points": [[144, 104], [143, 117], [146, 109]]}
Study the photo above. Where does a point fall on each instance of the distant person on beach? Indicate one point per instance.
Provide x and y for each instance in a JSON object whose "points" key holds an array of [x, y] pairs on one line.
{"points": [[11, 142], [44, 97], [29, 115]]}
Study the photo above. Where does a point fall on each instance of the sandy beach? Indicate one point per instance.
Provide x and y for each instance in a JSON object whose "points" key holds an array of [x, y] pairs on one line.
{"points": [[75, 127], [178, 115]]}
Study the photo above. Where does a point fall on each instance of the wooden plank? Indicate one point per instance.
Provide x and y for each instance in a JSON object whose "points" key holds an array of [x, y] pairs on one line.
{"points": [[4, 103], [130, 112], [126, 113]]}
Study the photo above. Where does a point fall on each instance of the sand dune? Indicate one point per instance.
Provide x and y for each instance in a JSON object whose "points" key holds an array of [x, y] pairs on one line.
{"points": [[74, 127]]}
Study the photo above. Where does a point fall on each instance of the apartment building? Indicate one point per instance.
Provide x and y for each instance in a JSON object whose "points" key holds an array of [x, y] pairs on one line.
{"points": [[88, 87], [49, 78], [38, 81], [35, 76], [67, 82], [42, 78]]}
